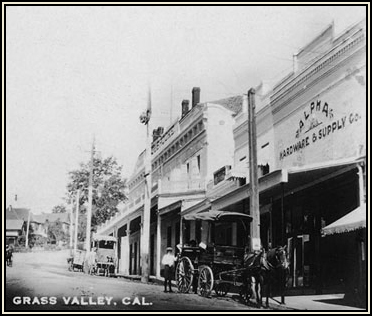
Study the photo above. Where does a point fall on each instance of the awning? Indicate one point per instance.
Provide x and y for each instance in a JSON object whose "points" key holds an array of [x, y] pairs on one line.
{"points": [[352, 221], [104, 237], [175, 206], [12, 234], [217, 215], [240, 171]]}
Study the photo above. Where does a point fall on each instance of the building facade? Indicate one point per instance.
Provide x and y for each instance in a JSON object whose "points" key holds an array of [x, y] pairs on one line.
{"points": [[311, 143], [184, 157]]}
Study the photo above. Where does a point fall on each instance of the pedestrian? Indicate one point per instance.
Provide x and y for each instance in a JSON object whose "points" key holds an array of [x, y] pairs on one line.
{"points": [[168, 262]]}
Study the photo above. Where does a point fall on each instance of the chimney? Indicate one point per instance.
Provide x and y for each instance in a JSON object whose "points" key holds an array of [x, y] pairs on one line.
{"points": [[160, 131], [185, 107], [155, 135], [157, 132], [195, 96]]}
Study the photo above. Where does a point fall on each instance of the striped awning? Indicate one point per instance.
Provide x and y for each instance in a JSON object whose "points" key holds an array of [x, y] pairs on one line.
{"points": [[352, 221], [239, 171], [217, 215], [12, 233]]}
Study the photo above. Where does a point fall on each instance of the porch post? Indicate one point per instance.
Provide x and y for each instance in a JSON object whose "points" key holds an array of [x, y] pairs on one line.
{"points": [[361, 237], [361, 185], [128, 261], [283, 243], [158, 246]]}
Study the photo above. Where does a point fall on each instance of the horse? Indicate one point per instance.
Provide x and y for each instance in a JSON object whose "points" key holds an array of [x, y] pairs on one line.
{"points": [[263, 267], [9, 256], [273, 268]]}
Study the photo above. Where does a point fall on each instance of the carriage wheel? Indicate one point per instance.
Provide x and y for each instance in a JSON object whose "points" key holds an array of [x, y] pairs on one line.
{"points": [[205, 281], [222, 289], [184, 275]]}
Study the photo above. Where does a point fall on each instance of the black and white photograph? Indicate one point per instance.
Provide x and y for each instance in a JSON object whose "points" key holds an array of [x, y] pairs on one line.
{"points": [[185, 157]]}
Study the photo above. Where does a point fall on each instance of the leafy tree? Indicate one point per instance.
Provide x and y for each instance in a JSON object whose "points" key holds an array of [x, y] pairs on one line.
{"points": [[109, 189], [55, 232], [59, 209]]}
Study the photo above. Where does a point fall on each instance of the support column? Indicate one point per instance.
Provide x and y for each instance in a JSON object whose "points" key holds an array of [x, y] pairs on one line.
{"points": [[361, 185], [127, 245], [181, 230], [282, 301], [158, 246]]}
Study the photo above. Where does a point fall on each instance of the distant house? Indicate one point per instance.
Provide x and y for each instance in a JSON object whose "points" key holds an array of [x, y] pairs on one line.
{"points": [[14, 229], [16, 223], [45, 218], [40, 222]]}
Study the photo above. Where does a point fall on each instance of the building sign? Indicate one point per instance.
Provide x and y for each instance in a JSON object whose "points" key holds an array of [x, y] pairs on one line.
{"points": [[317, 123], [329, 126]]}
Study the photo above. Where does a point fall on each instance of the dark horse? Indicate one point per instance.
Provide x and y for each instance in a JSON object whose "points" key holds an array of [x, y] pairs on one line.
{"points": [[9, 256], [264, 267]]}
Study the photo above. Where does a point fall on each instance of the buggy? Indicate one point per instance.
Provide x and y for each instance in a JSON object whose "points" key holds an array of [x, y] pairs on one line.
{"points": [[104, 259], [76, 261], [219, 264]]}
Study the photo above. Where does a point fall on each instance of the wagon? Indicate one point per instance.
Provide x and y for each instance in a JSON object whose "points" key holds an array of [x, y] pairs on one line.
{"points": [[105, 256], [219, 264], [76, 261]]}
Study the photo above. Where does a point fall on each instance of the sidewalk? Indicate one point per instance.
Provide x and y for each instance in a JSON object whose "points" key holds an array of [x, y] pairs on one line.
{"points": [[315, 302], [326, 302]]}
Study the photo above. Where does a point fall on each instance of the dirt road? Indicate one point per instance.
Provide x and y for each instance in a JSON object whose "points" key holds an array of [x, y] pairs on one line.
{"points": [[41, 281]]}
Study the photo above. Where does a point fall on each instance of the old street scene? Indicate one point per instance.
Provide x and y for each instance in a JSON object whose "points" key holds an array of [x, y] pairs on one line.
{"points": [[186, 158]]}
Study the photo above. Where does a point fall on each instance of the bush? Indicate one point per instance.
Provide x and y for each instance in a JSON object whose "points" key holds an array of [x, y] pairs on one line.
{"points": [[19, 248], [49, 247]]}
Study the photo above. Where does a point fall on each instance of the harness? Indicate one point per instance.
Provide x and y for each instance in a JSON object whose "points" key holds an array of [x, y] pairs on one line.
{"points": [[259, 260]]}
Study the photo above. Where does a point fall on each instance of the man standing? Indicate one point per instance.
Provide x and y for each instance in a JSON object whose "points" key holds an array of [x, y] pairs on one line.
{"points": [[168, 262]]}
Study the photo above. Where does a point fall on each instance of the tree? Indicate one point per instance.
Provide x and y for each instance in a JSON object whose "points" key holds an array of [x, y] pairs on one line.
{"points": [[55, 232], [109, 189], [59, 209]]}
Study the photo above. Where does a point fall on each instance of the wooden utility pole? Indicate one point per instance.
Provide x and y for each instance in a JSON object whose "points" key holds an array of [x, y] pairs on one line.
{"points": [[90, 200], [253, 176], [77, 220], [71, 225], [28, 228], [145, 238]]}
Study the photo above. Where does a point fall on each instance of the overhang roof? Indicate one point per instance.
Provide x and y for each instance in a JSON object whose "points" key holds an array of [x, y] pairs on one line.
{"points": [[354, 220]]}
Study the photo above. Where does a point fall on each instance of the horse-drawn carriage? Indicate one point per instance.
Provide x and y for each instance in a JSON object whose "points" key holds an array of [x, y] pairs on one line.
{"points": [[225, 260], [76, 261], [102, 259]]}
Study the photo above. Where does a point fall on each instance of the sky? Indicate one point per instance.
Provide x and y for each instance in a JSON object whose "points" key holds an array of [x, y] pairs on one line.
{"points": [[77, 71]]}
